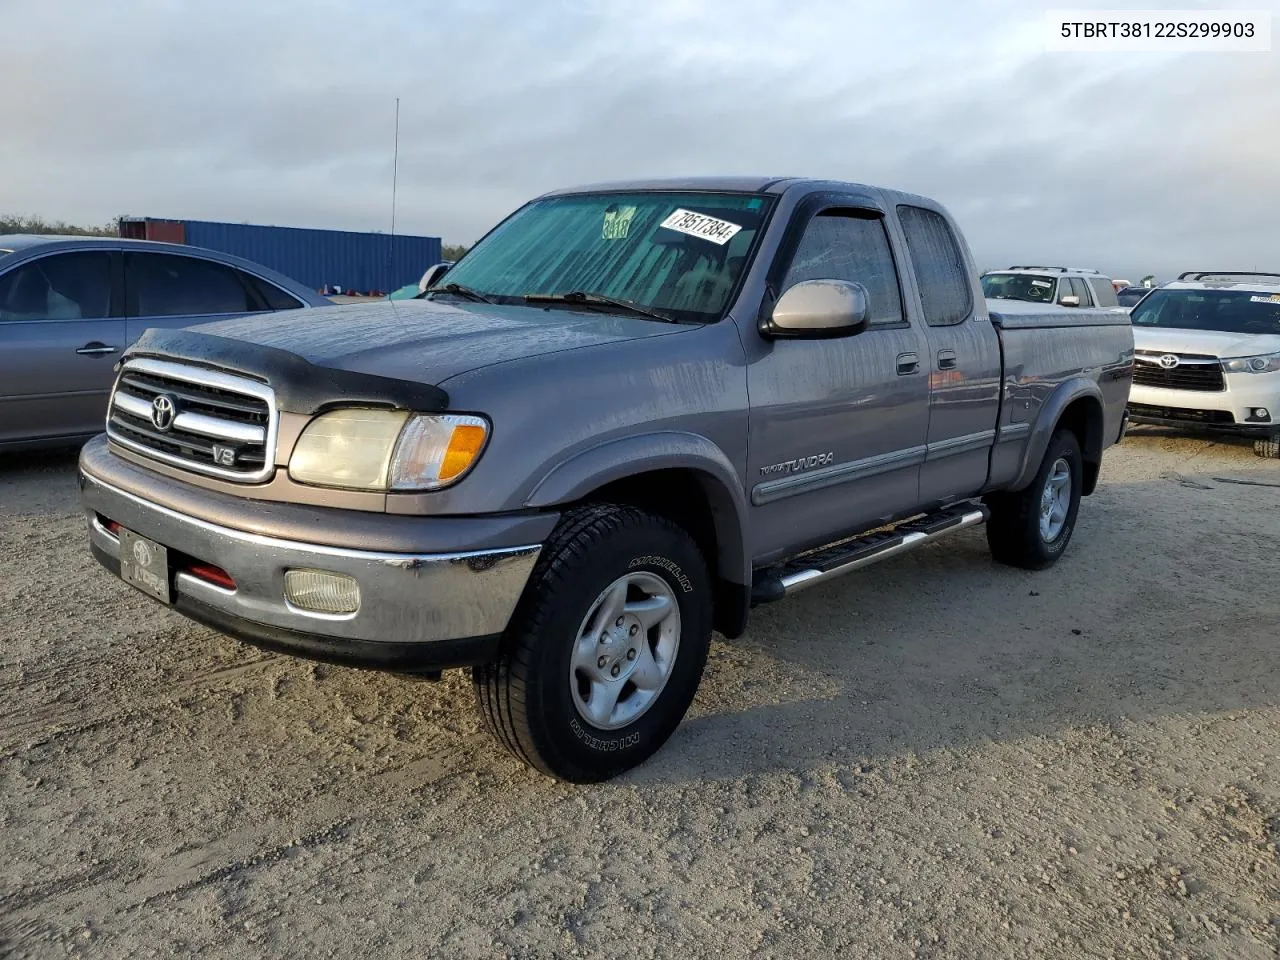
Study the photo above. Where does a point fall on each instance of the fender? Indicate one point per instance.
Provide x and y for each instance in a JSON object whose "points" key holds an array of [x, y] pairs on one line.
{"points": [[591, 469], [1046, 422]]}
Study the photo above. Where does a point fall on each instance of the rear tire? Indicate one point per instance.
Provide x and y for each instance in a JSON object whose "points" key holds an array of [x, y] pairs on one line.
{"points": [[1032, 527], [606, 648], [1268, 448]]}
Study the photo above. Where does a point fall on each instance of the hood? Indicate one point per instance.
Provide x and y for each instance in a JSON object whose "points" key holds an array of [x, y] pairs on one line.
{"points": [[1209, 342], [430, 341]]}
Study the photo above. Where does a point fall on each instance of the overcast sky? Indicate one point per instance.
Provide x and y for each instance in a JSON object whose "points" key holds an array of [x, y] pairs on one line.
{"points": [[281, 111]]}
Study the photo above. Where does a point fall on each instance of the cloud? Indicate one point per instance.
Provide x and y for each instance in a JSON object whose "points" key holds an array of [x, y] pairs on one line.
{"points": [[283, 113]]}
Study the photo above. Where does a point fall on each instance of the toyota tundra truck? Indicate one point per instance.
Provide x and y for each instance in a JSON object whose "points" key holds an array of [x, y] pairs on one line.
{"points": [[628, 415]]}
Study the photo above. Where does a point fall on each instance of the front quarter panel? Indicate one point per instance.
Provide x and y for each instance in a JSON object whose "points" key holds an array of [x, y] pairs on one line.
{"points": [[549, 411]]}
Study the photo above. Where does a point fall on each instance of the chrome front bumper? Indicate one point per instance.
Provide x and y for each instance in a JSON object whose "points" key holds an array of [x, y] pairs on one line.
{"points": [[405, 598]]}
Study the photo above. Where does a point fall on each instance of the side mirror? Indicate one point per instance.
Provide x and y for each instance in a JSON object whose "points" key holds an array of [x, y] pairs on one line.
{"points": [[433, 275], [819, 308], [1070, 300]]}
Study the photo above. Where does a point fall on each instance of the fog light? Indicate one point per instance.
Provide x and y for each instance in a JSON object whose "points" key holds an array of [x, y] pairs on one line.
{"points": [[1261, 413], [321, 591]]}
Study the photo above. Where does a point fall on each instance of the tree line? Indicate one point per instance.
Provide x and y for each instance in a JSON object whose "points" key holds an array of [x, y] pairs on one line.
{"points": [[12, 223]]}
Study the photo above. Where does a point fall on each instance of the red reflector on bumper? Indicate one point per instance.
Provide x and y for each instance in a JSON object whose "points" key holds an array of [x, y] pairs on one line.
{"points": [[211, 574]]}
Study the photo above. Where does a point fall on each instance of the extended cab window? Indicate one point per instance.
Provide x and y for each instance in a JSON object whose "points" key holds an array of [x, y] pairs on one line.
{"points": [[169, 285], [1104, 294], [844, 245], [64, 286], [941, 272]]}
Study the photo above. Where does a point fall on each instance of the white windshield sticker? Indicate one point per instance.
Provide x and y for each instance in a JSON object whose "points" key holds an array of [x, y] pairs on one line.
{"points": [[1041, 283], [702, 226], [1274, 298], [617, 223]]}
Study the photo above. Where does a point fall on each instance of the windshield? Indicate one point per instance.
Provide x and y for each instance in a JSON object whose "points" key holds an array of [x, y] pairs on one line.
{"points": [[680, 254], [1226, 311], [1018, 286]]}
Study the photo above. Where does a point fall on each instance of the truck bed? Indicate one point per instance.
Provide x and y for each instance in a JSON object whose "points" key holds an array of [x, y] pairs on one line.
{"points": [[1016, 315], [1043, 348]]}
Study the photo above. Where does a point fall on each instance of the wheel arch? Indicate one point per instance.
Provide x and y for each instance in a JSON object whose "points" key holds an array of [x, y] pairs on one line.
{"points": [[681, 476], [1077, 405]]}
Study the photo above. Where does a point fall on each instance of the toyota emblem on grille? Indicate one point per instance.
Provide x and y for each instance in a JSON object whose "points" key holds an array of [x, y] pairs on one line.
{"points": [[163, 409], [1168, 361]]}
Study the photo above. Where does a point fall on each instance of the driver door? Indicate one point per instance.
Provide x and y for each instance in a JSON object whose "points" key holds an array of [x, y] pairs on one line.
{"points": [[838, 425]]}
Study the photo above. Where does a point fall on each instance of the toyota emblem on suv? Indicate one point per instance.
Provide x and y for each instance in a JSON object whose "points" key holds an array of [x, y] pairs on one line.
{"points": [[163, 410], [1168, 361]]}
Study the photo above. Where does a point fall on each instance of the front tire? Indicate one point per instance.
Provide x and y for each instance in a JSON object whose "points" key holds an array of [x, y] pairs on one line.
{"points": [[606, 648], [1269, 447], [1031, 528]]}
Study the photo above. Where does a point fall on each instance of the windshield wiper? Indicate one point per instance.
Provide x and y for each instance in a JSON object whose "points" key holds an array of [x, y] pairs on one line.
{"points": [[459, 290], [579, 297]]}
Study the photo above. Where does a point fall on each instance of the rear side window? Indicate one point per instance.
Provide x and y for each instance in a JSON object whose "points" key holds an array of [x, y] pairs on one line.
{"points": [[168, 285], [1104, 294], [270, 294], [940, 269], [1081, 290], [841, 245], [64, 286]]}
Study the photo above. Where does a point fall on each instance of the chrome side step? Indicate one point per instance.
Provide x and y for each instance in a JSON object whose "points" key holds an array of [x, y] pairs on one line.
{"points": [[831, 562]]}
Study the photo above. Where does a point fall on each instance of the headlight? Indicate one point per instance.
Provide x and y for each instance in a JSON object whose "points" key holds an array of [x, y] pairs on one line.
{"points": [[382, 450], [1269, 363]]}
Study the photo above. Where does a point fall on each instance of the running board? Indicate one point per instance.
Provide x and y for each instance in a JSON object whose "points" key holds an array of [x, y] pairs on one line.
{"points": [[831, 562]]}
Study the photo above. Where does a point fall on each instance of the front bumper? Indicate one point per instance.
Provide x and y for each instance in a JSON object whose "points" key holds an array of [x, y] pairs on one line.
{"points": [[418, 611], [1228, 411]]}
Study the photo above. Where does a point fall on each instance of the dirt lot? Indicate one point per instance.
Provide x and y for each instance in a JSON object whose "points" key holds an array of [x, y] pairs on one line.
{"points": [[937, 757]]}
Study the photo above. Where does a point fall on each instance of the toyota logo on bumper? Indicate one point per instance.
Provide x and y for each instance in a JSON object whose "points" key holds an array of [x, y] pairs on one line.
{"points": [[163, 411], [1168, 361]]}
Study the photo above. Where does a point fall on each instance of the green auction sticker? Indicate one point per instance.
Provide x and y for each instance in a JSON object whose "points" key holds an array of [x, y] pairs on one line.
{"points": [[617, 223]]}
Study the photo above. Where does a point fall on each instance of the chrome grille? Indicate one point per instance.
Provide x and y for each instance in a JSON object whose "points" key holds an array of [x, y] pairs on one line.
{"points": [[1194, 371], [195, 418]]}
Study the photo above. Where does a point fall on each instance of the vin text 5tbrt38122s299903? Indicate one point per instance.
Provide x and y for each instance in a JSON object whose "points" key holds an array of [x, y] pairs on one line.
{"points": [[628, 414]]}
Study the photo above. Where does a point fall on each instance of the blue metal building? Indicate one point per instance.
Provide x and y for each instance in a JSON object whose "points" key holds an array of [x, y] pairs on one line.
{"points": [[356, 262]]}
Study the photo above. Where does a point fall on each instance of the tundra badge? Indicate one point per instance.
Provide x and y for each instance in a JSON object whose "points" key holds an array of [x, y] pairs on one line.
{"points": [[795, 466]]}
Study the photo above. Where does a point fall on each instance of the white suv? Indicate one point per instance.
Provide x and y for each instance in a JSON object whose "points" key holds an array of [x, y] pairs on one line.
{"points": [[1064, 286], [1207, 356]]}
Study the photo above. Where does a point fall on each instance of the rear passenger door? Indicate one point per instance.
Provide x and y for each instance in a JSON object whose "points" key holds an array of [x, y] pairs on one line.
{"points": [[172, 290], [60, 334], [963, 361], [837, 425]]}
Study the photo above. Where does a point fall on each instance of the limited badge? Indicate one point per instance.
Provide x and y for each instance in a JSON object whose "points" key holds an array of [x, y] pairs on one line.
{"points": [[702, 226]]}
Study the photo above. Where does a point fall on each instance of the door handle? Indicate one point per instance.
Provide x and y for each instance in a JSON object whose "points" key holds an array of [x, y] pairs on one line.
{"points": [[95, 348], [946, 359], [907, 363]]}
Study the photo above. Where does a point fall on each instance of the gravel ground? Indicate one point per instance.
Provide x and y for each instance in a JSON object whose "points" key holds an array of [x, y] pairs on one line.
{"points": [[938, 757]]}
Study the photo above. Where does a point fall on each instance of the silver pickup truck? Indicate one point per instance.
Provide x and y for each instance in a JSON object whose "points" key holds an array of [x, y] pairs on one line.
{"points": [[630, 413]]}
